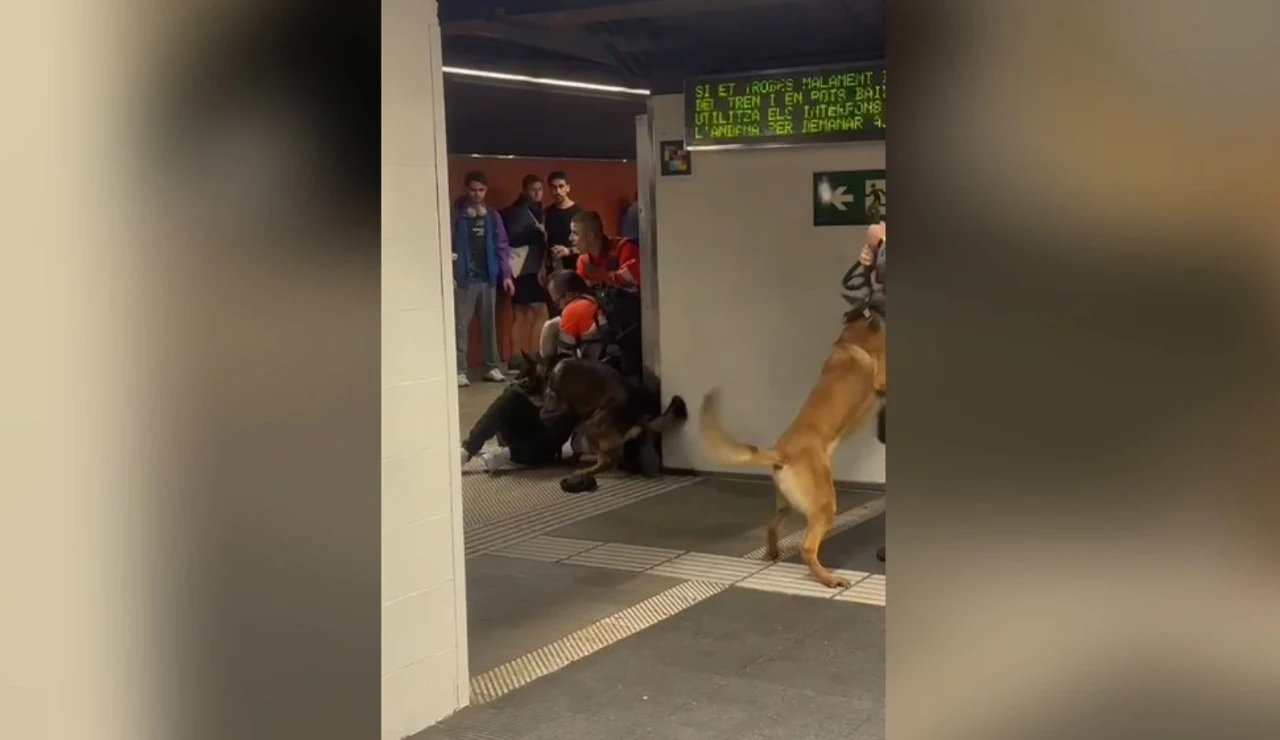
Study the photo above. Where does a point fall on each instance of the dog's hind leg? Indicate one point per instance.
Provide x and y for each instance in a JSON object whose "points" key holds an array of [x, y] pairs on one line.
{"points": [[606, 460], [608, 443], [780, 515], [815, 531], [601, 429], [808, 485]]}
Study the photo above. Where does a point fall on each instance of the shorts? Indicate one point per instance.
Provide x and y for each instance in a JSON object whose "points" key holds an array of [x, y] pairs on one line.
{"points": [[528, 291]]}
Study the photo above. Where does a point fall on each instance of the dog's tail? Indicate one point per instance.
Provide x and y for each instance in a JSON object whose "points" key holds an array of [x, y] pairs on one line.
{"points": [[677, 411], [718, 444]]}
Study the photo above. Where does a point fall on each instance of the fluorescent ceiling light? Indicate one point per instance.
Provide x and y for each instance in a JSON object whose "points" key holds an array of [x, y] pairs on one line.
{"points": [[544, 81]]}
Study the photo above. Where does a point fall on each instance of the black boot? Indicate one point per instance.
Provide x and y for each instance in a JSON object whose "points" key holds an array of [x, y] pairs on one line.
{"points": [[880, 553]]}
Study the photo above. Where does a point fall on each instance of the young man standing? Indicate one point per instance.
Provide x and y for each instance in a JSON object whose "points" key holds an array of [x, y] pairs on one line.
{"points": [[481, 263], [559, 215], [527, 232]]}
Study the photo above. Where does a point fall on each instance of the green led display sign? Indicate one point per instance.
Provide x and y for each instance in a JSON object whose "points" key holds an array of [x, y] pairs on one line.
{"points": [[817, 105]]}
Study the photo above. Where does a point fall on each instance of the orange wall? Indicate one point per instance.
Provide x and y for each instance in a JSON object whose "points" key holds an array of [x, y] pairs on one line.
{"points": [[607, 187]]}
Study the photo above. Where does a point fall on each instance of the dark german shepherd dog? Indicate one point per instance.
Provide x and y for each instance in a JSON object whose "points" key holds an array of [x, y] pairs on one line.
{"points": [[614, 411]]}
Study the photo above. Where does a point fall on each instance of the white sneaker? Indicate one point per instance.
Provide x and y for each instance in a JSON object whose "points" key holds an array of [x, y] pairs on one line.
{"points": [[463, 381], [580, 444], [499, 459], [495, 376]]}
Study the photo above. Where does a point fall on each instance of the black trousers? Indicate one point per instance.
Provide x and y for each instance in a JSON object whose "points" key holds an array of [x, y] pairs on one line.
{"points": [[880, 431], [514, 420]]}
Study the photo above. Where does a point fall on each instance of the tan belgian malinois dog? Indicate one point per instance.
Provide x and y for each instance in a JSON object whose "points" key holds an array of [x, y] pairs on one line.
{"points": [[848, 393]]}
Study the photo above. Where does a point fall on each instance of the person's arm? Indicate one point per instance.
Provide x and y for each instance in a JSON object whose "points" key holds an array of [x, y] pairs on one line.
{"points": [[549, 341], [859, 280], [878, 275], [573, 325], [626, 276], [522, 229], [454, 221], [628, 273], [504, 251], [562, 251]]}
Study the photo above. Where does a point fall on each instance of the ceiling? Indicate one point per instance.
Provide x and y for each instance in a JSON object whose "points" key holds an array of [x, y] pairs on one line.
{"points": [[648, 44], [654, 44]]}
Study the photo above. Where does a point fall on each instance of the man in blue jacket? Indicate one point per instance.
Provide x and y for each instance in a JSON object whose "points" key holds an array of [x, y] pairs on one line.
{"points": [[481, 263]]}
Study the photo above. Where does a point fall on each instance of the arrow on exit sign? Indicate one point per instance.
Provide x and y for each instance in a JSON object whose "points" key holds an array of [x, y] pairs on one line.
{"points": [[838, 197]]}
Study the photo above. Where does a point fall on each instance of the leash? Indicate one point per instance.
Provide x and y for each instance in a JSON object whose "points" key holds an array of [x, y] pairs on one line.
{"points": [[859, 284]]}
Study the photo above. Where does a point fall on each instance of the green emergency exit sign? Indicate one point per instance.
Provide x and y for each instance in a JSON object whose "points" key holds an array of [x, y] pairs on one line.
{"points": [[849, 198]]}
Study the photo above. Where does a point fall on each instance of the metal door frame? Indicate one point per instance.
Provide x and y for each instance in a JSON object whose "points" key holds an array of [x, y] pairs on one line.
{"points": [[647, 189]]}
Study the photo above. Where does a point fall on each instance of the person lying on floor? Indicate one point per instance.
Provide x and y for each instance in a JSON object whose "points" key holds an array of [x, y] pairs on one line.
{"points": [[526, 439]]}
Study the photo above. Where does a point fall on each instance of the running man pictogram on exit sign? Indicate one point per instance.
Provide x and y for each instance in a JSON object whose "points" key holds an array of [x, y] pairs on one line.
{"points": [[849, 198]]}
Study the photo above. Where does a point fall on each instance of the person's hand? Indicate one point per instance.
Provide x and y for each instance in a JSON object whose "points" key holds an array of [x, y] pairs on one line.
{"points": [[560, 251], [509, 286], [871, 247], [542, 277]]}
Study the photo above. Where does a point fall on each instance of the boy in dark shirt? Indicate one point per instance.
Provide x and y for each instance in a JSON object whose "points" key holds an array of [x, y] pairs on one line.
{"points": [[527, 233], [559, 217]]}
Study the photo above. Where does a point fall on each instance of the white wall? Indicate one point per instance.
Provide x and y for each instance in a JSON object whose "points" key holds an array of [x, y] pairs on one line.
{"points": [[749, 288], [424, 641]]}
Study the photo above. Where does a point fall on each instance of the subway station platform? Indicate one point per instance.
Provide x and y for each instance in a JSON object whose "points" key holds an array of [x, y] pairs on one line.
{"points": [[645, 610]]}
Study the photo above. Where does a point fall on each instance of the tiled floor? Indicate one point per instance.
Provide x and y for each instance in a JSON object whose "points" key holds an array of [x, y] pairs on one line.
{"points": [[474, 399], [747, 572], [738, 665], [515, 606], [725, 517], [643, 610]]}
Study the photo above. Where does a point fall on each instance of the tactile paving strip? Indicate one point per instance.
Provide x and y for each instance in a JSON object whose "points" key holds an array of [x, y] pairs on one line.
{"points": [[616, 556], [790, 545], [490, 497], [794, 579], [520, 526], [785, 578], [703, 566], [545, 660], [870, 590], [546, 548]]}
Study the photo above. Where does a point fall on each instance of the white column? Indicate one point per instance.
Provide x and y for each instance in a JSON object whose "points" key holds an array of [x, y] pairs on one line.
{"points": [[424, 628]]}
